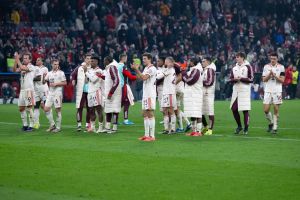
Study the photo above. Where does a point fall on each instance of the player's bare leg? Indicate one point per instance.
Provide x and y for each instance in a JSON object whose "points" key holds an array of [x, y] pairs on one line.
{"points": [[173, 120], [49, 116], [23, 117], [275, 118], [99, 111], [269, 117], [92, 127], [179, 118], [166, 121], [58, 121], [151, 122]]}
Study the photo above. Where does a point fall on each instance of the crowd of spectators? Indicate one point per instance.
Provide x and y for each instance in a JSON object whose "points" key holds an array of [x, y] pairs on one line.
{"points": [[180, 28]]}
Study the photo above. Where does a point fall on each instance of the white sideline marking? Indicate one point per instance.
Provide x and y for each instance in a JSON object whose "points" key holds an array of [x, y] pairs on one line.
{"points": [[214, 135]]}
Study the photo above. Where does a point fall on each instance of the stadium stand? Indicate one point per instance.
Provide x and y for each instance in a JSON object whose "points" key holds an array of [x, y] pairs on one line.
{"points": [[179, 28]]}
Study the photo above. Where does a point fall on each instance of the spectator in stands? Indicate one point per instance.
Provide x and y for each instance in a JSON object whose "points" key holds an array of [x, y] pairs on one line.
{"points": [[288, 81], [8, 93], [177, 28], [294, 84]]}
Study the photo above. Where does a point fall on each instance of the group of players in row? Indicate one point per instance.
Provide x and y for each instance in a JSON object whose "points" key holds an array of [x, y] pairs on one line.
{"points": [[106, 90]]}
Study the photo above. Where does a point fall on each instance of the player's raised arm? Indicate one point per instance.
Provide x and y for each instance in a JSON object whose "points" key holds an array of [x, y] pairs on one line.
{"points": [[17, 60]]}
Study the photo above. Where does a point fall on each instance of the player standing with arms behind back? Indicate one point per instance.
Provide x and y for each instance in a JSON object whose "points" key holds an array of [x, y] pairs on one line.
{"points": [[273, 77], [26, 97], [149, 95], [57, 80]]}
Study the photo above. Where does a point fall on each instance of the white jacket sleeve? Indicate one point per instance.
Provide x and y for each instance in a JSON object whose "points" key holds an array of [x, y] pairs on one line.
{"points": [[91, 76]]}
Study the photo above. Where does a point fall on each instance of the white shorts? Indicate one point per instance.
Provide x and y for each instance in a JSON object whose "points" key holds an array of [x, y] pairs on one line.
{"points": [[54, 99], [169, 100], [273, 98], [40, 96], [148, 104], [179, 98], [26, 98], [95, 99]]}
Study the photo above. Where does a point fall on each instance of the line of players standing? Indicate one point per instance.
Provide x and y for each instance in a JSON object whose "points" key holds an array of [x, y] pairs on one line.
{"points": [[107, 90]]}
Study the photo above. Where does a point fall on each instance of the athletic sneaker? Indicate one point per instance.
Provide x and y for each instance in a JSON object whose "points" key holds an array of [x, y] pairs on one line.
{"points": [[128, 122], [149, 139], [78, 128], [56, 130], [100, 130], [179, 130], [270, 128], [24, 128], [238, 130], [36, 126], [87, 127], [143, 138], [110, 131], [29, 129], [191, 134], [208, 132], [172, 132], [245, 132], [188, 127], [197, 134], [204, 129], [165, 132], [91, 130], [274, 132], [51, 128]]}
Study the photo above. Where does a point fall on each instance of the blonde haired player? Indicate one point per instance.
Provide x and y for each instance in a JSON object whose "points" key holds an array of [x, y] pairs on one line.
{"points": [[149, 95], [56, 79], [168, 100], [26, 97], [273, 78]]}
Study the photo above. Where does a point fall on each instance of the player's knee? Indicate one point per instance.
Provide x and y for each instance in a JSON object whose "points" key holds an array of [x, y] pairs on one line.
{"points": [[46, 109]]}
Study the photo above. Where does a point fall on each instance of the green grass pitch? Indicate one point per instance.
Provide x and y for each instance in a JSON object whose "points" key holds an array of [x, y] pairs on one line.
{"points": [[75, 166]]}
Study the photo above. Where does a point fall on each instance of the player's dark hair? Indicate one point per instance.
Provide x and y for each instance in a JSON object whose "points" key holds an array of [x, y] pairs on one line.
{"points": [[122, 55], [95, 57], [162, 58], [274, 54], [87, 54], [241, 54], [108, 58], [54, 60], [194, 60], [148, 55], [207, 58]]}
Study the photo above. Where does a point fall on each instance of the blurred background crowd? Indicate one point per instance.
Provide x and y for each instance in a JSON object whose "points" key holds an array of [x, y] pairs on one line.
{"points": [[67, 29]]}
